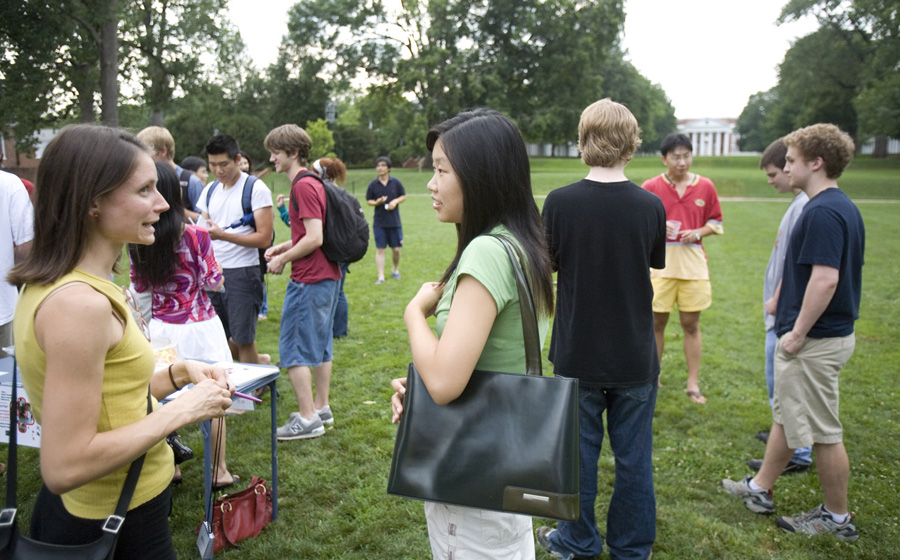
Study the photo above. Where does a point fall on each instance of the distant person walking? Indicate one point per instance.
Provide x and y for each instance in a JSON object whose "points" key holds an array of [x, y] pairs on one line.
{"points": [[386, 193]]}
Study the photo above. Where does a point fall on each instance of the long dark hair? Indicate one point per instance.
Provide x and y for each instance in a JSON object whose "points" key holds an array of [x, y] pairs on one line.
{"points": [[156, 263], [489, 158], [83, 162]]}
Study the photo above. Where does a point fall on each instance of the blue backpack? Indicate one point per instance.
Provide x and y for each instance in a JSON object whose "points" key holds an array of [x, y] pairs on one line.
{"points": [[246, 196], [247, 219]]}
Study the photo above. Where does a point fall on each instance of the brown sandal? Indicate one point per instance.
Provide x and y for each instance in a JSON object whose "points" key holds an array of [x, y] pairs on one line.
{"points": [[696, 397]]}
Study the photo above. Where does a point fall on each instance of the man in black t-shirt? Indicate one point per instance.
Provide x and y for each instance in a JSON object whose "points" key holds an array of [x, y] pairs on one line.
{"points": [[604, 234]]}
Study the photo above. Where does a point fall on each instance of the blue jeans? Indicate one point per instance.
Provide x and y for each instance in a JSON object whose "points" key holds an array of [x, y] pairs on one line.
{"points": [[307, 320], [341, 312], [631, 518], [802, 455]]}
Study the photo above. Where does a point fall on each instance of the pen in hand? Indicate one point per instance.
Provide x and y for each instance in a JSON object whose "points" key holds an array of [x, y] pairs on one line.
{"points": [[248, 397]]}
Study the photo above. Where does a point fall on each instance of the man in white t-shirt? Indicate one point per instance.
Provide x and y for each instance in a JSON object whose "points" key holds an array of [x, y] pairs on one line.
{"points": [[237, 238], [16, 233]]}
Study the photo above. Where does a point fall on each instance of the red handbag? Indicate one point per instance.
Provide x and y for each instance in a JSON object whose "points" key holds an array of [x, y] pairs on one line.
{"points": [[241, 515]]}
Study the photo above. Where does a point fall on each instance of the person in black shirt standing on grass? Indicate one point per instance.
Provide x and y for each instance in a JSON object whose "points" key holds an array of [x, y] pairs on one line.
{"points": [[604, 234]]}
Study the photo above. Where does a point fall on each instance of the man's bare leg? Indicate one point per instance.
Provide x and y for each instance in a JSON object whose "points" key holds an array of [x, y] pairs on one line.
{"points": [[834, 475], [693, 352]]}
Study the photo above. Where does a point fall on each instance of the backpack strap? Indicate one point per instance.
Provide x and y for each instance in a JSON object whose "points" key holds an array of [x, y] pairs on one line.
{"points": [[299, 176], [185, 180], [246, 195], [209, 193]]}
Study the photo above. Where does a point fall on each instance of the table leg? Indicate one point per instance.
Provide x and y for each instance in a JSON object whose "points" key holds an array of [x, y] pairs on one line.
{"points": [[274, 452]]}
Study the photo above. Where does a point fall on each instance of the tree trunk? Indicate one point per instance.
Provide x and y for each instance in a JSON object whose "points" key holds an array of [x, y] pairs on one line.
{"points": [[156, 118], [881, 147], [84, 86], [109, 65]]}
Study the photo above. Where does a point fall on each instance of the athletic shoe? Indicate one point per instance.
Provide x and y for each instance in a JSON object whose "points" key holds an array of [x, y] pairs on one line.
{"points": [[325, 415], [298, 428], [760, 501], [543, 537], [791, 468], [762, 436], [379, 281], [817, 521], [396, 275]]}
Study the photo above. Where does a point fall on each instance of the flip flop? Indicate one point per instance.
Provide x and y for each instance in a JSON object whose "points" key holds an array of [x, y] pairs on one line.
{"points": [[235, 479], [696, 397]]}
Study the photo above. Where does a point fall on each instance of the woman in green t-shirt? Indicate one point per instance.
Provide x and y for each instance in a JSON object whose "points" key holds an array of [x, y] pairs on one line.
{"points": [[482, 184]]}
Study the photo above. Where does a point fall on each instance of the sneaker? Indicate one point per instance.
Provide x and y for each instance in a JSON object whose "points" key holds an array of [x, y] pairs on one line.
{"points": [[298, 428], [379, 281], [791, 468], [817, 521], [762, 436], [325, 415], [756, 501], [543, 537], [396, 275]]}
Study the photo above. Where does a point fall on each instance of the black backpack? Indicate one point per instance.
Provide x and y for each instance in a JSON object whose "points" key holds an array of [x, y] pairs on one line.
{"points": [[185, 181], [345, 229]]}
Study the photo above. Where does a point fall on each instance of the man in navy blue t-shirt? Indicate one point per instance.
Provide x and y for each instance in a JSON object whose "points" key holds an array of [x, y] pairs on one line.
{"points": [[817, 305], [386, 193]]}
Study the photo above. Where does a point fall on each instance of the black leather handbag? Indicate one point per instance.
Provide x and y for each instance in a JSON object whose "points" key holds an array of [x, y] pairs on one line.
{"points": [[508, 443], [14, 546]]}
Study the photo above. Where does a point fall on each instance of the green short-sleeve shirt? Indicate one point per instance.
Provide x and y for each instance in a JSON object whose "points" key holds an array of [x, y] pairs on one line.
{"points": [[486, 260]]}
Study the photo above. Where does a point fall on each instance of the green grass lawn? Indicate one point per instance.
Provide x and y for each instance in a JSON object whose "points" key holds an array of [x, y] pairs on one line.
{"points": [[333, 500]]}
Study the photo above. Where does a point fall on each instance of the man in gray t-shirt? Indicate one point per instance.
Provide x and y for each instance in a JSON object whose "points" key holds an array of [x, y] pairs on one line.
{"points": [[772, 162]]}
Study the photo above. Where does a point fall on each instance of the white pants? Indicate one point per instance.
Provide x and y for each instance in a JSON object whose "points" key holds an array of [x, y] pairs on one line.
{"points": [[460, 533]]}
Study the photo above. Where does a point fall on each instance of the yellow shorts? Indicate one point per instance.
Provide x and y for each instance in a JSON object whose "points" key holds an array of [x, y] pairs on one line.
{"points": [[690, 295]]}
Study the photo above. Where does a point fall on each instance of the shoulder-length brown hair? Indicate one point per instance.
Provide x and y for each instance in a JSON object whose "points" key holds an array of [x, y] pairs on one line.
{"points": [[82, 162]]}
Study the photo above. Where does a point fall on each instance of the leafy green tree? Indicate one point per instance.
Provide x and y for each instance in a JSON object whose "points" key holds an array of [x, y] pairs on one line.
{"points": [[322, 139], [646, 101], [753, 124], [56, 57], [535, 60], [166, 38]]}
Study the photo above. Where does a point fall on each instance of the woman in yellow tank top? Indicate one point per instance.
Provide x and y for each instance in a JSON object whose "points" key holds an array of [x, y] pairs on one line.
{"points": [[85, 362]]}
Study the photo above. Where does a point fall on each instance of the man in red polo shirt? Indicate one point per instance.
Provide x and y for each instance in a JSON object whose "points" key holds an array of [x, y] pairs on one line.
{"points": [[692, 213]]}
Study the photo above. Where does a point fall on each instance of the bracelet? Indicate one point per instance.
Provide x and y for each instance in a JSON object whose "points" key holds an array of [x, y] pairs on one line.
{"points": [[172, 378]]}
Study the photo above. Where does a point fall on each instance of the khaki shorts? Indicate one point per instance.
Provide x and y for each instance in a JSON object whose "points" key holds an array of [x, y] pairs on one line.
{"points": [[806, 390], [690, 295]]}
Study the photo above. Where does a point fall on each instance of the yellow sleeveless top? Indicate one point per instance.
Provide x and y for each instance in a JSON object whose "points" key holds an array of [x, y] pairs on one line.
{"points": [[126, 376]]}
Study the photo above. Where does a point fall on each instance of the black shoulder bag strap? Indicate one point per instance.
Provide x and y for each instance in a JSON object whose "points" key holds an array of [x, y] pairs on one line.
{"points": [[533, 364], [8, 515]]}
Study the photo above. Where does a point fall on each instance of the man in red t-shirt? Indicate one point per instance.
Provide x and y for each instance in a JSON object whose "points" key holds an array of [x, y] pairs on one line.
{"points": [[692, 213], [307, 318]]}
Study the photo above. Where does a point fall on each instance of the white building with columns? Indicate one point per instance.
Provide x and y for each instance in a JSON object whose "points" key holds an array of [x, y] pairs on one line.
{"points": [[711, 137]]}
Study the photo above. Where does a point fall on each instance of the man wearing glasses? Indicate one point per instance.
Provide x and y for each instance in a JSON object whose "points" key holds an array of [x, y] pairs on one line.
{"points": [[692, 213]]}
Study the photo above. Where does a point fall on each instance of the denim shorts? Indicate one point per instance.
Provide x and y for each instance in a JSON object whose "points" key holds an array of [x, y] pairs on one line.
{"points": [[385, 236], [307, 320]]}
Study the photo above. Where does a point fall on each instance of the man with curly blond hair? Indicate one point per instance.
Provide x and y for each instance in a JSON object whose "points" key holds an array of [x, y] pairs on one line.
{"points": [[817, 304], [605, 233]]}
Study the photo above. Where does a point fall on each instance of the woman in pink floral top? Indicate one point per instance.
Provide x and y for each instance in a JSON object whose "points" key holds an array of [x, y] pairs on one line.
{"points": [[177, 269]]}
